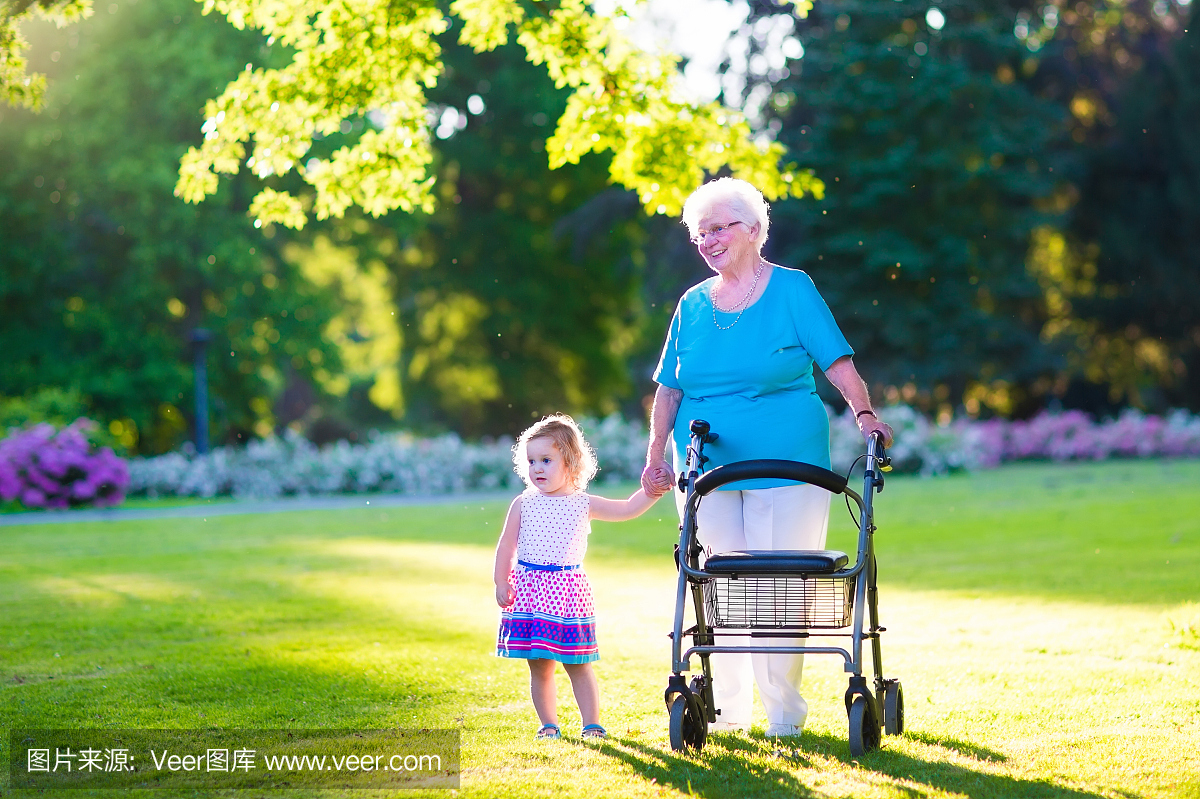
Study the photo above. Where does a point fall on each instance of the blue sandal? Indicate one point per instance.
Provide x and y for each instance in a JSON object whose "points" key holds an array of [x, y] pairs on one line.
{"points": [[593, 731], [549, 732]]}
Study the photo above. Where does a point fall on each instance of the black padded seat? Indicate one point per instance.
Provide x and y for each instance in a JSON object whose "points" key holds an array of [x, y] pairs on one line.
{"points": [[756, 562]]}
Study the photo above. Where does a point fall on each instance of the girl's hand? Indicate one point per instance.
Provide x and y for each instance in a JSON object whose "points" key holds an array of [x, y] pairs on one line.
{"points": [[504, 594], [506, 555], [657, 478]]}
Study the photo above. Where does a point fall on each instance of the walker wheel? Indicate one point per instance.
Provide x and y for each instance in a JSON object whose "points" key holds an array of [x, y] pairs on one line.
{"points": [[689, 730], [698, 710], [864, 727], [893, 708]]}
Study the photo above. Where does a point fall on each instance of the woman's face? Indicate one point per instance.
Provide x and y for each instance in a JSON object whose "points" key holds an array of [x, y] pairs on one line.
{"points": [[732, 245]]}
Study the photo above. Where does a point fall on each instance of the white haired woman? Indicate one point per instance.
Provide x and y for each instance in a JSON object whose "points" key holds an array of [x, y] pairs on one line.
{"points": [[739, 354]]}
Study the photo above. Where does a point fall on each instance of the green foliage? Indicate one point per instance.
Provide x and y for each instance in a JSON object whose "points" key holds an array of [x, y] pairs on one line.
{"points": [[18, 87], [935, 160], [364, 329], [53, 405], [520, 285], [106, 273], [379, 58], [61, 408], [508, 310], [1083, 55], [1136, 231]]}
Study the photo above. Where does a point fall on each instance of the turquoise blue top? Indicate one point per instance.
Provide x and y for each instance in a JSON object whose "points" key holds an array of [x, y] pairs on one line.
{"points": [[754, 381]]}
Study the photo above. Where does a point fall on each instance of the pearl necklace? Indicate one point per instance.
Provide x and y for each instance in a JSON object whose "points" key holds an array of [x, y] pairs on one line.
{"points": [[744, 302]]}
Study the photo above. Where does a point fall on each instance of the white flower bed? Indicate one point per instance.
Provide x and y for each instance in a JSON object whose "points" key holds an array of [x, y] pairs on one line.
{"points": [[402, 464], [394, 464]]}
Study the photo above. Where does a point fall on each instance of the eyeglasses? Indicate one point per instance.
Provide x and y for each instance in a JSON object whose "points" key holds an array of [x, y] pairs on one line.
{"points": [[718, 231]]}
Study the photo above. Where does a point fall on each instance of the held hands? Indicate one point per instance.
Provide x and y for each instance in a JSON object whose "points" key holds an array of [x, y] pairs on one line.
{"points": [[504, 594], [657, 479]]}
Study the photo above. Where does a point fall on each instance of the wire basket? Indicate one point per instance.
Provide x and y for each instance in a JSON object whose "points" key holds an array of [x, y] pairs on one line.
{"points": [[762, 602]]}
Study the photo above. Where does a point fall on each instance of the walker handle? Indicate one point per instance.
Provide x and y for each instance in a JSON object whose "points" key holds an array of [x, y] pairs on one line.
{"points": [[876, 450], [701, 428], [786, 470]]}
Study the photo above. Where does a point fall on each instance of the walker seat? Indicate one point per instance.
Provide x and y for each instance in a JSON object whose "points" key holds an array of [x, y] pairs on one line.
{"points": [[776, 563]]}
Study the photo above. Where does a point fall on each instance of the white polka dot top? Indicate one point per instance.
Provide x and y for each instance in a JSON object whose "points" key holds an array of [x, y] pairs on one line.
{"points": [[554, 530]]}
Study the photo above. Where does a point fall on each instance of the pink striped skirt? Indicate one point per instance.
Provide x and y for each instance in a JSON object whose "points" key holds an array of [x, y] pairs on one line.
{"points": [[552, 617]]}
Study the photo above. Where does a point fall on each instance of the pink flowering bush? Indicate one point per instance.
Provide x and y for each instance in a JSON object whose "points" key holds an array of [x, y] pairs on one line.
{"points": [[44, 468], [1072, 435], [929, 448]]}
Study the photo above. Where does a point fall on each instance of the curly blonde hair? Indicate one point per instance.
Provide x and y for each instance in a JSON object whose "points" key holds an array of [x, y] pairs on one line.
{"points": [[578, 455]]}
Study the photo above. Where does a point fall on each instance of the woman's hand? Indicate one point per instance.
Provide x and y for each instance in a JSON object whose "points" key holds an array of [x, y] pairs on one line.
{"points": [[657, 478], [869, 423], [504, 594]]}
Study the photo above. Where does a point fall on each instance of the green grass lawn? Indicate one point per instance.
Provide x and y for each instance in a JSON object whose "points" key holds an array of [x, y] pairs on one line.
{"points": [[1043, 618]]}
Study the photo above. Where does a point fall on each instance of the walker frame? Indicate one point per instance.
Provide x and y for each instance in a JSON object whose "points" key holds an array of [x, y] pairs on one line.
{"points": [[780, 594]]}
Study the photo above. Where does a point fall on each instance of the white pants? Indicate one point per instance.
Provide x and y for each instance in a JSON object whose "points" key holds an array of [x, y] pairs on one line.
{"points": [[789, 517]]}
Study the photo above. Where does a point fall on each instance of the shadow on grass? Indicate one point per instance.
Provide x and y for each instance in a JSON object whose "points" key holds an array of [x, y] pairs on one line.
{"points": [[727, 767], [733, 765], [962, 747]]}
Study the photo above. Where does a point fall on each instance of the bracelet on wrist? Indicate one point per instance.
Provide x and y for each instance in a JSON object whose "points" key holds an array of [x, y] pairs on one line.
{"points": [[859, 415]]}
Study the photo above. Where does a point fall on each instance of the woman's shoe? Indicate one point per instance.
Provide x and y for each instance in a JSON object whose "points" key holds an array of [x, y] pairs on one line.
{"points": [[783, 730], [549, 732], [593, 731]]}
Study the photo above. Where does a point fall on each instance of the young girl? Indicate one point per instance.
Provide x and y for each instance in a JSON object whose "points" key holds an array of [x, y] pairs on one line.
{"points": [[546, 599]]}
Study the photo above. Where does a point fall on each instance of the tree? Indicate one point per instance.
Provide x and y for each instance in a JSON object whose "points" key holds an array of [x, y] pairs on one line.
{"points": [[105, 273], [1082, 55], [936, 163], [1130, 280], [515, 298], [378, 58]]}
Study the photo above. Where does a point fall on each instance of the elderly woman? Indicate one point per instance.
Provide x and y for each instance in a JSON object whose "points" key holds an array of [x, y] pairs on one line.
{"points": [[739, 354]]}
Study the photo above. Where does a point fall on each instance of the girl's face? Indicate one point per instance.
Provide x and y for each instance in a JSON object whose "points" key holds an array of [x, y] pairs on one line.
{"points": [[547, 469]]}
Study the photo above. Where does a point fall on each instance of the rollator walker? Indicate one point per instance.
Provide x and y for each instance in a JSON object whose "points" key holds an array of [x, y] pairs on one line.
{"points": [[756, 596]]}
